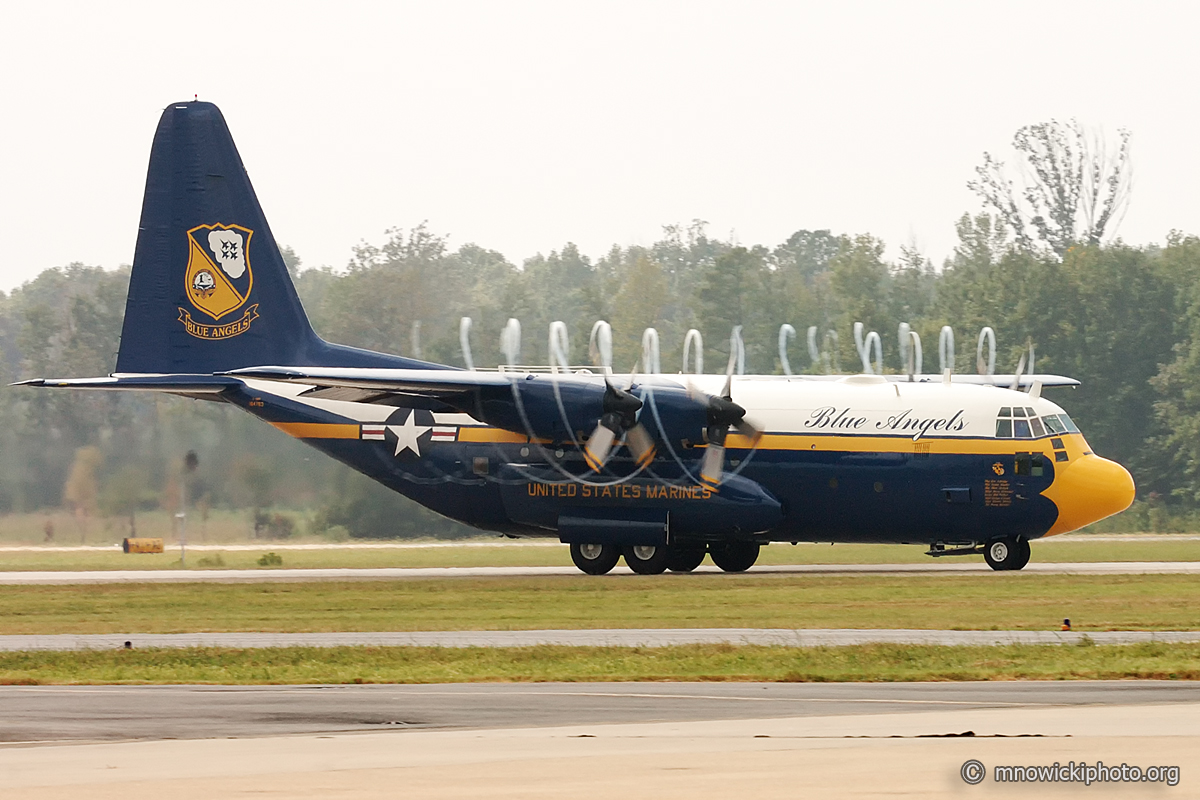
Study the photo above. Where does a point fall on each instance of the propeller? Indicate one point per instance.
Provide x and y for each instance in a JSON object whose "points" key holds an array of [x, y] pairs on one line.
{"points": [[723, 414], [619, 417]]}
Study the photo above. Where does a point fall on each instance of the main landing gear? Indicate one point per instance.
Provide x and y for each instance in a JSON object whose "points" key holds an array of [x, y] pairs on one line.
{"points": [[1006, 554], [598, 559]]}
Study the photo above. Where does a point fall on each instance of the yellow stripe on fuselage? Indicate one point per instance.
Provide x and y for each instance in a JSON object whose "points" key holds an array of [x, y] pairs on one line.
{"points": [[318, 430], [484, 435], [1074, 443]]}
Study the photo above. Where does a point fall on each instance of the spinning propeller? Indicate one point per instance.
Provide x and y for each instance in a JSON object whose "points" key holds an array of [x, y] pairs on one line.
{"points": [[723, 414], [619, 418]]}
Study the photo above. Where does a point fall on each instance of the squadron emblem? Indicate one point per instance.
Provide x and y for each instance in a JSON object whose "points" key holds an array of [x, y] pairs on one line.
{"points": [[218, 280]]}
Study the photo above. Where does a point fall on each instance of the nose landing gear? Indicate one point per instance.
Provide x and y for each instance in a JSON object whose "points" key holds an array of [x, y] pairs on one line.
{"points": [[1006, 554]]}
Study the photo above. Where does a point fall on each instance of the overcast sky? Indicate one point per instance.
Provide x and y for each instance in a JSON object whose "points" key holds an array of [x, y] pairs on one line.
{"points": [[521, 126]]}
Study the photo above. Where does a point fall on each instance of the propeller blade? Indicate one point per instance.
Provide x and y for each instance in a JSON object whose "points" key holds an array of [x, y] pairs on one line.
{"points": [[713, 465], [750, 431], [599, 445], [641, 444]]}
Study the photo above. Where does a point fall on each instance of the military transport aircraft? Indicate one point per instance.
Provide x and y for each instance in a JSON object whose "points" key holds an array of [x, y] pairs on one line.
{"points": [[659, 470]]}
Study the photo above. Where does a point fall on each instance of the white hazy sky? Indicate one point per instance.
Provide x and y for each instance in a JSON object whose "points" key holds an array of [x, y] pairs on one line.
{"points": [[521, 126]]}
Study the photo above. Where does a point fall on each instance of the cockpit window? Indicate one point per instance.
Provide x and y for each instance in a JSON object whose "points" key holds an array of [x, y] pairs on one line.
{"points": [[1068, 424], [1036, 425], [1004, 429], [1021, 429], [1018, 411], [1053, 424]]}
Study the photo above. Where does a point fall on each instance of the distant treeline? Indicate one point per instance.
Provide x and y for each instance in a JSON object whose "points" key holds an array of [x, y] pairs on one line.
{"points": [[1125, 320]]}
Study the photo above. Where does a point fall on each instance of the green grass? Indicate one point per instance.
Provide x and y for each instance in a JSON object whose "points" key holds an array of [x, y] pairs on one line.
{"points": [[990, 601], [304, 665], [521, 554]]}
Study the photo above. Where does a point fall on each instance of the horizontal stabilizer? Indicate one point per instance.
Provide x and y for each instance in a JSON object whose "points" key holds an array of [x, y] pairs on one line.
{"points": [[177, 384]]}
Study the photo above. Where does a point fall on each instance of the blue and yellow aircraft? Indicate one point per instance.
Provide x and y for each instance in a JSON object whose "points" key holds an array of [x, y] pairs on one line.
{"points": [[660, 471]]}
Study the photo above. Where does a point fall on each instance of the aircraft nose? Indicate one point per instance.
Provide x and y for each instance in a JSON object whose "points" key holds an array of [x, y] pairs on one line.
{"points": [[1089, 489]]}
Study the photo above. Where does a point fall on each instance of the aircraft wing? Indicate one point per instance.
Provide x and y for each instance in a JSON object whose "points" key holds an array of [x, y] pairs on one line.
{"points": [[1003, 381], [421, 382]]}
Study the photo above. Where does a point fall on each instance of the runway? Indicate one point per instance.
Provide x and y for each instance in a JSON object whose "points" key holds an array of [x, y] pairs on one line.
{"points": [[599, 741], [122, 713], [404, 573], [616, 637]]}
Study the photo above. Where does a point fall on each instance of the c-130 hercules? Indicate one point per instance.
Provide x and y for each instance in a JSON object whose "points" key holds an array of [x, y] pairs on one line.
{"points": [[660, 471]]}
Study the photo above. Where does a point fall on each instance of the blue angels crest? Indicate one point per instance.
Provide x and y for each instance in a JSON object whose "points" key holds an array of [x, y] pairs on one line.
{"points": [[218, 279]]}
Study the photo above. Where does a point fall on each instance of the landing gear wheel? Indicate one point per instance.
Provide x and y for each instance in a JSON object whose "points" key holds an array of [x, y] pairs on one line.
{"points": [[684, 557], [734, 556], [1006, 554], [595, 559], [646, 559]]}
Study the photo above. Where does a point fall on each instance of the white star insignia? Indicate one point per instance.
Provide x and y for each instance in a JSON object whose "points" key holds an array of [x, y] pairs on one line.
{"points": [[407, 434]]}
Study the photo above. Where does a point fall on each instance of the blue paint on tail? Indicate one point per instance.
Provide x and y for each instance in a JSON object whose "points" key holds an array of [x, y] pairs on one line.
{"points": [[209, 290]]}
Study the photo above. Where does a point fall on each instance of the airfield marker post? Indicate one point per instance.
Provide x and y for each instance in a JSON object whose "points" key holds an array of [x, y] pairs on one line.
{"points": [[190, 462]]}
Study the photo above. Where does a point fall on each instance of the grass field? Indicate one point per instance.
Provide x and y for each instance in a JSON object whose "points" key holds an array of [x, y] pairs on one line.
{"points": [[992, 601], [301, 665], [498, 553]]}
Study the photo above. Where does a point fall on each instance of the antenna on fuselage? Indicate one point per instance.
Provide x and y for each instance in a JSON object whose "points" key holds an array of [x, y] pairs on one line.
{"points": [[912, 364], [600, 345], [946, 348], [786, 332], [988, 367], [464, 341], [693, 338], [863, 345], [510, 341]]}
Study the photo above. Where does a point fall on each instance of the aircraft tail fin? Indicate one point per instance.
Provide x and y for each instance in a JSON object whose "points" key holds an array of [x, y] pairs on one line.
{"points": [[209, 290]]}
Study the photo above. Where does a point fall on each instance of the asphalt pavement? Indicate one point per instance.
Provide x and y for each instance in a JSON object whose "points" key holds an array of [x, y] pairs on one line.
{"points": [[124, 713], [612, 637], [20, 578]]}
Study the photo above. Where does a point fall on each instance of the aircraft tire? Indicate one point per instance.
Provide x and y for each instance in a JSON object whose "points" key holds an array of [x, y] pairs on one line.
{"points": [[685, 557], [734, 556], [1006, 554], [646, 559], [595, 559], [1023, 553]]}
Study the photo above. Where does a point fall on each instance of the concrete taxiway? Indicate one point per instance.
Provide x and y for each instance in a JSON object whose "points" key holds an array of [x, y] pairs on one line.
{"points": [[401, 573], [612, 637], [585, 740]]}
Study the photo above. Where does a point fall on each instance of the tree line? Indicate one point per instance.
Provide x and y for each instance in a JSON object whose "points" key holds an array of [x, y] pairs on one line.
{"points": [[1124, 319]]}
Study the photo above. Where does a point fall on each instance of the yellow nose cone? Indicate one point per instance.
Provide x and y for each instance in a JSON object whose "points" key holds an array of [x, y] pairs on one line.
{"points": [[1089, 489]]}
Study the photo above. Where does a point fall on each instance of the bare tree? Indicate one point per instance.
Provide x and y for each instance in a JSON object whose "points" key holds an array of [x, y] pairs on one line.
{"points": [[1073, 190]]}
